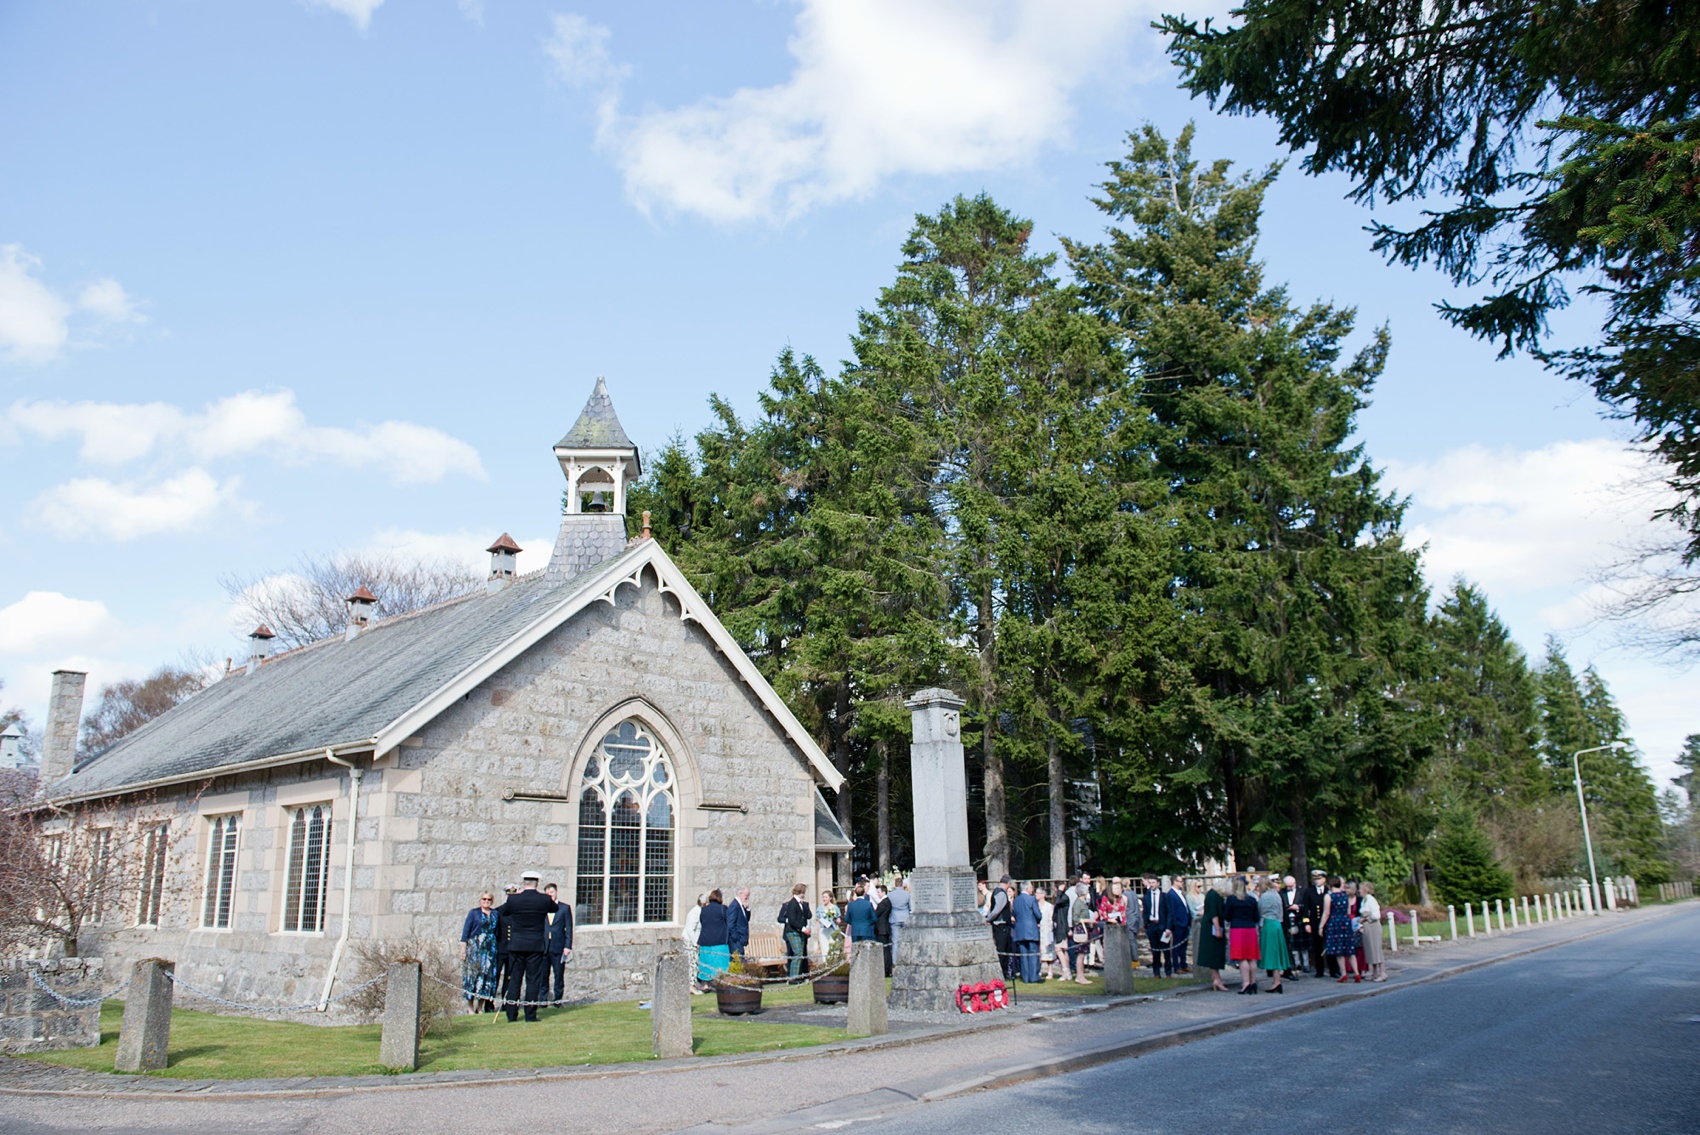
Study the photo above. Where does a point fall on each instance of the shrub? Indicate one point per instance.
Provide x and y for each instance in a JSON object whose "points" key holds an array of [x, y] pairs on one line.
{"points": [[439, 992], [1465, 868]]}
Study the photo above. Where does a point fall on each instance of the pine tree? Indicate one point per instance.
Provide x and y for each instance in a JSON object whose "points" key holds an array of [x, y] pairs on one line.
{"points": [[1303, 610], [1465, 869], [1579, 714]]}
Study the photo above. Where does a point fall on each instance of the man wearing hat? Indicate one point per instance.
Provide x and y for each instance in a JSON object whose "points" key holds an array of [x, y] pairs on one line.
{"points": [[1310, 919], [527, 913]]}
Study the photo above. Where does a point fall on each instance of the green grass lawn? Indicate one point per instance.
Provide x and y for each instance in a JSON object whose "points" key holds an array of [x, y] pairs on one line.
{"points": [[209, 1046]]}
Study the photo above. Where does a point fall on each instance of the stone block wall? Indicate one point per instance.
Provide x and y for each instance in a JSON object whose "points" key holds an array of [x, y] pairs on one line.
{"points": [[31, 1020]]}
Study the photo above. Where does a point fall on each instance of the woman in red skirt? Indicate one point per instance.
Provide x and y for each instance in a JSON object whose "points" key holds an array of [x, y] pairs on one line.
{"points": [[1243, 946]]}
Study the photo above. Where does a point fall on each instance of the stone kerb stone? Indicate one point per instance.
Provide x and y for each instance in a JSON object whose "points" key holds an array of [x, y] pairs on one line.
{"points": [[145, 1034], [866, 1015], [1118, 960], [31, 1020], [670, 1004], [399, 1046]]}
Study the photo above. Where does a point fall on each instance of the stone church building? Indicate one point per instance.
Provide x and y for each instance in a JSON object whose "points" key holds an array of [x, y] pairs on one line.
{"points": [[593, 720]]}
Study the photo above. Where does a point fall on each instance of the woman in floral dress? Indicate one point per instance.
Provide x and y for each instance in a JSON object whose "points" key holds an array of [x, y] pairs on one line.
{"points": [[478, 955]]}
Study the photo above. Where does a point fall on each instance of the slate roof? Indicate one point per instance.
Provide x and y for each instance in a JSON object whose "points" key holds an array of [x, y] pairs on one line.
{"points": [[598, 427], [332, 693]]}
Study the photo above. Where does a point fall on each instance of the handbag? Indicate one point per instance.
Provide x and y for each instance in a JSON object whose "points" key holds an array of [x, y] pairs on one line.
{"points": [[1079, 935]]}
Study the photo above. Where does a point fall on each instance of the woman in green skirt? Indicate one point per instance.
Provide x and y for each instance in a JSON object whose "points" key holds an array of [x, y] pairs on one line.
{"points": [[1213, 940], [1271, 942]]}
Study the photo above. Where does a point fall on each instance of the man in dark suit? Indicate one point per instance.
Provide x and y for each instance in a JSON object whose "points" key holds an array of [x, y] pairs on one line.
{"points": [[528, 942], [1310, 918], [560, 946], [882, 922], [738, 923], [1177, 914], [1154, 915]]}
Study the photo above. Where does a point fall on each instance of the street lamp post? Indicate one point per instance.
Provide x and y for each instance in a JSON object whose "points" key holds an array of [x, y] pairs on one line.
{"points": [[1588, 840]]}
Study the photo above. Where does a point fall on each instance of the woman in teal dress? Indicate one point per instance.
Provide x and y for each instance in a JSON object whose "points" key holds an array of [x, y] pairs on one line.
{"points": [[478, 955]]}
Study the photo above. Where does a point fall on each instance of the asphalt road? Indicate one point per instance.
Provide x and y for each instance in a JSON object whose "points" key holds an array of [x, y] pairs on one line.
{"points": [[1598, 1036]]}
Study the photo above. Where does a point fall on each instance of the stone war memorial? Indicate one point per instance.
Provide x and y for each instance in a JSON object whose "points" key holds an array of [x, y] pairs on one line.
{"points": [[946, 944]]}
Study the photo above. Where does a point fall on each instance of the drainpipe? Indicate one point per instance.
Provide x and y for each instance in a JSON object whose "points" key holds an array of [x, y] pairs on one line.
{"points": [[354, 772]]}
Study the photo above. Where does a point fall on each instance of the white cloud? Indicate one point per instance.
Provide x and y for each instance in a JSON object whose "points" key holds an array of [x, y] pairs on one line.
{"points": [[47, 619], [472, 11], [33, 319], [252, 423], [579, 50], [106, 298], [880, 89], [125, 511], [1517, 521], [359, 12]]}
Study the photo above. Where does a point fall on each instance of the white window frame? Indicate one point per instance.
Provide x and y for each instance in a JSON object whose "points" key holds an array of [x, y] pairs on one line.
{"points": [[296, 874], [218, 891], [156, 839], [608, 791]]}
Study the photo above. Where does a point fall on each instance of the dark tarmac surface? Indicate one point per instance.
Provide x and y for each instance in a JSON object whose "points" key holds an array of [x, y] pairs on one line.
{"points": [[1597, 1036]]}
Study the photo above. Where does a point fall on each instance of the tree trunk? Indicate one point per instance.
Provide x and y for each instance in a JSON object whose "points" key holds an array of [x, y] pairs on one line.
{"points": [[1420, 873], [1059, 811], [997, 830], [841, 761], [1301, 858], [883, 788]]}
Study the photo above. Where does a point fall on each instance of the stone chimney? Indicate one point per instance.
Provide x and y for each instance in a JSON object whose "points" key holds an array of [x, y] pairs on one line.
{"points": [[599, 462], [259, 646], [360, 606], [504, 560], [64, 717]]}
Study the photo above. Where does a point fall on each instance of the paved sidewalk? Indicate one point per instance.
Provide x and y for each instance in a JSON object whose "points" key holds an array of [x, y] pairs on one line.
{"points": [[755, 1093]]}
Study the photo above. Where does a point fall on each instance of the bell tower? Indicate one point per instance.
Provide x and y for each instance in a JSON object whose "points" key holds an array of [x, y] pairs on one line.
{"points": [[599, 462]]}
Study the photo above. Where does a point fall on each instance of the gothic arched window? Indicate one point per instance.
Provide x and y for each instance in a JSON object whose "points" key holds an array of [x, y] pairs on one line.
{"points": [[625, 831]]}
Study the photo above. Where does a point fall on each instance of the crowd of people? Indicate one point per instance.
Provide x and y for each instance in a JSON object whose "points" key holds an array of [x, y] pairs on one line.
{"points": [[515, 954]]}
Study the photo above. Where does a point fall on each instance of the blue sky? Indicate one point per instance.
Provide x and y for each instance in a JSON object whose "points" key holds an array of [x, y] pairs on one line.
{"points": [[283, 278]]}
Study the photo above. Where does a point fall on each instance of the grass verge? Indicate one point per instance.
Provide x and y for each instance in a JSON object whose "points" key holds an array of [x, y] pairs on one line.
{"points": [[213, 1047]]}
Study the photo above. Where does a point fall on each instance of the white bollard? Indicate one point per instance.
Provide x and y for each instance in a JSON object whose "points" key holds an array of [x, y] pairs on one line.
{"points": [[1487, 918], [1416, 930], [1452, 913], [1499, 909], [1470, 918], [1525, 910], [1392, 933], [1611, 893]]}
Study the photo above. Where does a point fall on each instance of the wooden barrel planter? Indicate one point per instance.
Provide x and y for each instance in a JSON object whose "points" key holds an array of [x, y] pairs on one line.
{"points": [[832, 990], [738, 1001]]}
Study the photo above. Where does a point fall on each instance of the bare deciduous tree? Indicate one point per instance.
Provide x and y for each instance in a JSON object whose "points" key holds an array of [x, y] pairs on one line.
{"points": [[126, 706], [310, 602], [1652, 595], [65, 871]]}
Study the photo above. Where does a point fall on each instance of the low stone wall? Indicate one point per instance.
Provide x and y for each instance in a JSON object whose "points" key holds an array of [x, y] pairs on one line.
{"points": [[31, 1020]]}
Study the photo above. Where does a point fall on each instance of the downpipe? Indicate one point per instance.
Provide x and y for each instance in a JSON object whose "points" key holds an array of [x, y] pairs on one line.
{"points": [[354, 774]]}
